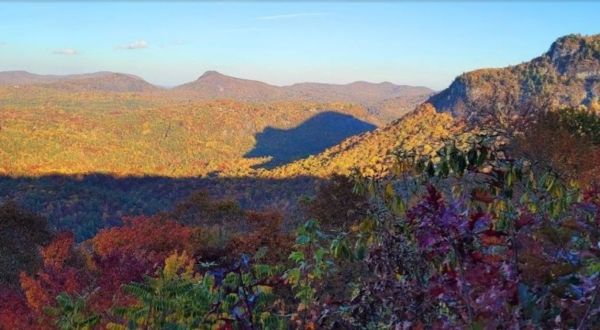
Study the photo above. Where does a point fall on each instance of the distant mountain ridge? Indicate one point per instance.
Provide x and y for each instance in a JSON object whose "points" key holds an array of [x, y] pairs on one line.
{"points": [[214, 85], [385, 100], [567, 75], [97, 81], [105, 81]]}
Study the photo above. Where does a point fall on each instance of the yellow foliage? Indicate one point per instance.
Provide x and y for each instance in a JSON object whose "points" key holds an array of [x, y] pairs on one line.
{"points": [[373, 153], [179, 266]]}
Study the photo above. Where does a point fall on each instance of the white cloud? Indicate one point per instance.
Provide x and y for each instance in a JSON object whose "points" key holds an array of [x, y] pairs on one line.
{"points": [[138, 44], [288, 16], [65, 51]]}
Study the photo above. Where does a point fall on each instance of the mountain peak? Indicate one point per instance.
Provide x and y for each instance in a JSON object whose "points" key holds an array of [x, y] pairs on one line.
{"points": [[567, 75], [574, 53], [572, 44], [211, 74]]}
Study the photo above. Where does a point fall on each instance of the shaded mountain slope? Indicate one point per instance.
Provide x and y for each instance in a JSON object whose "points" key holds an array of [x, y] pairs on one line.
{"points": [[72, 133], [86, 203], [372, 153], [314, 135]]}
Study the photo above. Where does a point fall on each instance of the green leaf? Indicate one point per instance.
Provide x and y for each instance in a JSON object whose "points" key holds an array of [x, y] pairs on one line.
{"points": [[297, 256]]}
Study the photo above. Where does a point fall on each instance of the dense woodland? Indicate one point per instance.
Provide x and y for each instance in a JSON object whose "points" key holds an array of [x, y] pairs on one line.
{"points": [[129, 134], [121, 215]]}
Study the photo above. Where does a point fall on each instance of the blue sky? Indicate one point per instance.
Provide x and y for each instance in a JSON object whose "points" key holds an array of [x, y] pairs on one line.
{"points": [[282, 43]]}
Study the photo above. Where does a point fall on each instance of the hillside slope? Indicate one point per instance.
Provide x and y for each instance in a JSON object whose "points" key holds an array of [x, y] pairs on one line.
{"points": [[568, 75], [44, 131], [372, 153], [214, 85], [12, 78]]}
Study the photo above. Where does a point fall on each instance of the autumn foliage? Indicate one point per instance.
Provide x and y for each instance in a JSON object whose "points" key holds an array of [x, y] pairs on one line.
{"points": [[566, 142], [475, 233], [154, 236]]}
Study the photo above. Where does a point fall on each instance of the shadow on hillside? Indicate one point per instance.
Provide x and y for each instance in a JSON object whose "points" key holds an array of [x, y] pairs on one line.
{"points": [[88, 203], [313, 136]]}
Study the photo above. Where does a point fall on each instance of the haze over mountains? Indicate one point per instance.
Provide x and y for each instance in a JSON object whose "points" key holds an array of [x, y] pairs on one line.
{"points": [[567, 75]]}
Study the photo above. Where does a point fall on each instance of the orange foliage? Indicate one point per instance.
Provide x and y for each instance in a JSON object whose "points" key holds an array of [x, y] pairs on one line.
{"points": [[60, 273], [37, 296], [42, 289], [59, 250], [143, 234]]}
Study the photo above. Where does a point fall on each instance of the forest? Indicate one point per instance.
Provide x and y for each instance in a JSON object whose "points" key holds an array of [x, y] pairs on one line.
{"points": [[479, 209], [483, 230]]}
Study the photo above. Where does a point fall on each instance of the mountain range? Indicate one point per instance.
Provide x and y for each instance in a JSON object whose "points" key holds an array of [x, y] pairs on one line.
{"points": [[567, 75], [387, 100], [256, 146]]}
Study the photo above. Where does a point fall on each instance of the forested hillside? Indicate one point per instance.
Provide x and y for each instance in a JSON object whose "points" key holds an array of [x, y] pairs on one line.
{"points": [[480, 209], [473, 233], [375, 153], [45, 132]]}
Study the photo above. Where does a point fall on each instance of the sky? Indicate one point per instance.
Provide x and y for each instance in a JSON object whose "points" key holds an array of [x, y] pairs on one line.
{"points": [[414, 43]]}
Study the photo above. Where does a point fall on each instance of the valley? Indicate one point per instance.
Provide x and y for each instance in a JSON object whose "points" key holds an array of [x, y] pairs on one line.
{"points": [[229, 203], [238, 139]]}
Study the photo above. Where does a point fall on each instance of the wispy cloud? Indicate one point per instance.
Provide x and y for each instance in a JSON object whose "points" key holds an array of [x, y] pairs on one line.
{"points": [[138, 44], [65, 51], [289, 16]]}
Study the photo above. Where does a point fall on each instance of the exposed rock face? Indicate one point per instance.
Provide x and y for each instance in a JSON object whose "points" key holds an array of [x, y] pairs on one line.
{"points": [[568, 75]]}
